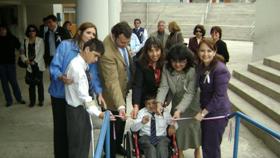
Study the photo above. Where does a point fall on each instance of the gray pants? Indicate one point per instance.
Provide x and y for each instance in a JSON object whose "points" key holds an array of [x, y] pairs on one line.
{"points": [[158, 151], [79, 131]]}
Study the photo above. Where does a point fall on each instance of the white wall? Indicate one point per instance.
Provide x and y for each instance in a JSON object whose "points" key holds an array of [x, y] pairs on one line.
{"points": [[267, 31]]}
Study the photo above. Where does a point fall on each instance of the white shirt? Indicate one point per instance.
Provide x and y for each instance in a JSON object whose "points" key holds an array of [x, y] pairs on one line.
{"points": [[145, 129], [135, 44], [77, 93], [52, 41]]}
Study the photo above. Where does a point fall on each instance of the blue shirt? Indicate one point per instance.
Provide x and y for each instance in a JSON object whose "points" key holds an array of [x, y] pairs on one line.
{"points": [[65, 52]]}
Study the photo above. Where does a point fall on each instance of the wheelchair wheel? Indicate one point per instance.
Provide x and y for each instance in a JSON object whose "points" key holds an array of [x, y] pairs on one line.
{"points": [[128, 145]]}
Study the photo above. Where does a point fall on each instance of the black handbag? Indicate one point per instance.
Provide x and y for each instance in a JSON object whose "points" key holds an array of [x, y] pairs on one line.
{"points": [[35, 77]]}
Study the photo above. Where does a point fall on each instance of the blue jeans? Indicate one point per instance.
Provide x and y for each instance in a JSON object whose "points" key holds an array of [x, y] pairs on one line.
{"points": [[8, 75]]}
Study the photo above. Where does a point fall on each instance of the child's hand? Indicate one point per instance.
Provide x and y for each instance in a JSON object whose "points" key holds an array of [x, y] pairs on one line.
{"points": [[171, 130], [145, 119]]}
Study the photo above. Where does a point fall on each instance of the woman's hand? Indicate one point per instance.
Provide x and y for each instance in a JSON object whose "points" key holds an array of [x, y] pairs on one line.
{"points": [[199, 116], [177, 114]]}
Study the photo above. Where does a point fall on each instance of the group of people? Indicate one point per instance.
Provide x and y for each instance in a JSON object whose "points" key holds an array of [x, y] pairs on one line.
{"points": [[89, 76]]}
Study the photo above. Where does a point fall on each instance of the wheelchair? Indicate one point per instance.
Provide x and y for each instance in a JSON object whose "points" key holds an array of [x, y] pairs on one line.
{"points": [[133, 150]]}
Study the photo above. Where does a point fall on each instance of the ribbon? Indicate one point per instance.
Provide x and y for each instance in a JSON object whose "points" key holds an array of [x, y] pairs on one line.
{"points": [[187, 118], [207, 77], [114, 131]]}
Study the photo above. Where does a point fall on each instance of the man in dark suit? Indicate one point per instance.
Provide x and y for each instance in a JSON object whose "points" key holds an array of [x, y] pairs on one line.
{"points": [[53, 37]]}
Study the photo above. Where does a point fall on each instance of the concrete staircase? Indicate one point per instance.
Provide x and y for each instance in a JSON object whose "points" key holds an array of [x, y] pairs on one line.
{"points": [[187, 16], [256, 92], [236, 19]]}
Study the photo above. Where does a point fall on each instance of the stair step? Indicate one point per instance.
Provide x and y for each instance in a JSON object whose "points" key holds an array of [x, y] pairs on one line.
{"points": [[273, 61], [240, 104], [265, 86], [265, 71], [264, 103]]}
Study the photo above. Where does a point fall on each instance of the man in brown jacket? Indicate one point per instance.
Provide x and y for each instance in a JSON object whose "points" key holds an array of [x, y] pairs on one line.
{"points": [[115, 71]]}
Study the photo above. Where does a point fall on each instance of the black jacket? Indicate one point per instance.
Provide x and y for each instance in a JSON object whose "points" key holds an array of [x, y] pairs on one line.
{"points": [[8, 45], [143, 84], [222, 49]]}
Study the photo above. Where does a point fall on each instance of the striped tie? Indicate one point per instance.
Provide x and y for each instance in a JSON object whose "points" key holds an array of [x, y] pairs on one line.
{"points": [[90, 87], [153, 138], [126, 60]]}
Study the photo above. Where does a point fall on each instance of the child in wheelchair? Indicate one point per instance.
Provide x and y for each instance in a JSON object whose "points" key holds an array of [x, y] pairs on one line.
{"points": [[153, 129]]}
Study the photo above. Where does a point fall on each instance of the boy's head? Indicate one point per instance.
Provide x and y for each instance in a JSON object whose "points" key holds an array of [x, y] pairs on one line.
{"points": [[150, 103], [92, 49]]}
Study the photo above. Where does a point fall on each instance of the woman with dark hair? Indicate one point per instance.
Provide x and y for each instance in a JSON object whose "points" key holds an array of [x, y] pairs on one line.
{"points": [[175, 35], [8, 44], [66, 51], [67, 25], [179, 77], [213, 79], [216, 34], [148, 73], [33, 56], [199, 33]]}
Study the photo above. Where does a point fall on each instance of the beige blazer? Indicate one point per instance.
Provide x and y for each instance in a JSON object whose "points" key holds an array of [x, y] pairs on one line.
{"points": [[113, 74]]}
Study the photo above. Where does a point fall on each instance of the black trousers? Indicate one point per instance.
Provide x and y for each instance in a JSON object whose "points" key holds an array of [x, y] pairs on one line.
{"points": [[8, 76], [79, 131], [116, 134], [59, 127], [32, 88]]}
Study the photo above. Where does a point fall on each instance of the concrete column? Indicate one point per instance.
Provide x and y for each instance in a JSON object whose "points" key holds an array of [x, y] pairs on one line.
{"points": [[114, 12], [95, 11], [266, 37], [22, 20]]}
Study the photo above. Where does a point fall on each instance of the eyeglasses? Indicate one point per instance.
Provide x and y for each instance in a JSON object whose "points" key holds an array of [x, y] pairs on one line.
{"points": [[198, 31], [32, 31]]}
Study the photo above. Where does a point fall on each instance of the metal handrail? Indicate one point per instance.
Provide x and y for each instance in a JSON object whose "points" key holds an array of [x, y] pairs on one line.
{"points": [[238, 117], [105, 131], [205, 14]]}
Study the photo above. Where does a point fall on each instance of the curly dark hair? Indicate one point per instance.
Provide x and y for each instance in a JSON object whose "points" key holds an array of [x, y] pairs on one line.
{"points": [[152, 42], [180, 52]]}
